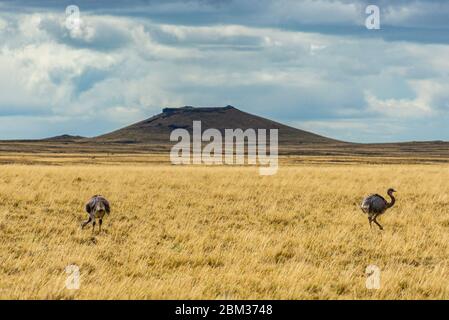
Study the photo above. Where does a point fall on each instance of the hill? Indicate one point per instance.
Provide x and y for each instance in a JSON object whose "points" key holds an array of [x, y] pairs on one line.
{"points": [[65, 138], [153, 136], [157, 129]]}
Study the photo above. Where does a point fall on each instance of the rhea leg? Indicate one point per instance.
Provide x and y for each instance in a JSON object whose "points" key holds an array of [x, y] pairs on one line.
{"points": [[370, 220], [93, 226], [83, 224], [100, 222], [375, 221]]}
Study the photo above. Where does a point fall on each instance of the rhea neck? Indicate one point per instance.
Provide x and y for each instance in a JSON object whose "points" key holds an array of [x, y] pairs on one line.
{"points": [[393, 199]]}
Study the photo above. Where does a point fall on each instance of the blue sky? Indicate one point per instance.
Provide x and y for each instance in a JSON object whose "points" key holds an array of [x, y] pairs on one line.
{"points": [[311, 64]]}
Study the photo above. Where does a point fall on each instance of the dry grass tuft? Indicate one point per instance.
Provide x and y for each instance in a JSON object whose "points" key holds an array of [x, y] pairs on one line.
{"points": [[223, 232]]}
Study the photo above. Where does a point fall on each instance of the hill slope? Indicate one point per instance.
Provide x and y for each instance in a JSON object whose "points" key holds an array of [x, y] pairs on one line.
{"points": [[153, 136], [64, 138], [157, 129]]}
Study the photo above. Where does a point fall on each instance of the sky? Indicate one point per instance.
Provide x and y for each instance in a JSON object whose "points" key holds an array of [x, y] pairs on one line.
{"points": [[311, 64]]}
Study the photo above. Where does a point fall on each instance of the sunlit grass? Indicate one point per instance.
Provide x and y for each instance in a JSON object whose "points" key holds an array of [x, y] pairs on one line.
{"points": [[223, 232]]}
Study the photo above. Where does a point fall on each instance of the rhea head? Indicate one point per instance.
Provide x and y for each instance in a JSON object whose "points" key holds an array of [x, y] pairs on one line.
{"points": [[391, 190]]}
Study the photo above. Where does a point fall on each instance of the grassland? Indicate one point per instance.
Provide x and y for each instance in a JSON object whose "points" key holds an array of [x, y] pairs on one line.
{"points": [[221, 232]]}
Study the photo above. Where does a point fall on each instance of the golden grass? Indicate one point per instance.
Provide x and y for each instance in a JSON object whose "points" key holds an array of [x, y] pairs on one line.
{"points": [[223, 232]]}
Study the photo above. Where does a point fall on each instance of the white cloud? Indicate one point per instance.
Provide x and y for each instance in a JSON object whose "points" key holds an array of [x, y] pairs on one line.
{"points": [[427, 92], [420, 13], [126, 69], [3, 25]]}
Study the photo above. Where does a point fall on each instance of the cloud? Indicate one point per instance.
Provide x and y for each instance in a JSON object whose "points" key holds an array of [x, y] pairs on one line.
{"points": [[275, 59], [419, 20], [405, 108]]}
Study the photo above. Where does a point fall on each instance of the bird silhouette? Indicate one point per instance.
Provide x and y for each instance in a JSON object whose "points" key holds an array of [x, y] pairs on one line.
{"points": [[96, 207], [375, 205]]}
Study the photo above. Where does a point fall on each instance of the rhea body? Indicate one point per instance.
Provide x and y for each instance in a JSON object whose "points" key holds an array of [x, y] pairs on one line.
{"points": [[97, 207], [375, 205]]}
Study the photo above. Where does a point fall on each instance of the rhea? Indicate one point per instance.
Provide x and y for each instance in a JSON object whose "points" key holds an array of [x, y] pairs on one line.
{"points": [[375, 205], [96, 208]]}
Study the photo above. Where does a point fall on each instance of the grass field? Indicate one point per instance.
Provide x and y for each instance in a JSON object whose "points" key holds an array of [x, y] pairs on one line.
{"points": [[223, 232]]}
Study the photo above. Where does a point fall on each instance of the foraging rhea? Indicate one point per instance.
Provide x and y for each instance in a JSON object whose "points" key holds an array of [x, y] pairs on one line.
{"points": [[375, 205], [96, 207]]}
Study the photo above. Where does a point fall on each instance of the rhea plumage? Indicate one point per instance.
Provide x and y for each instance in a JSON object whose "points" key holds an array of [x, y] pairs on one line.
{"points": [[375, 205], [96, 208]]}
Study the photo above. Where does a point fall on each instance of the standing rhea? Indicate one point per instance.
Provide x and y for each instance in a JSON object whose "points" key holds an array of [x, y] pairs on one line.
{"points": [[375, 205], [96, 207]]}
